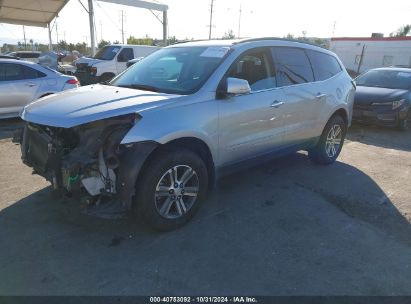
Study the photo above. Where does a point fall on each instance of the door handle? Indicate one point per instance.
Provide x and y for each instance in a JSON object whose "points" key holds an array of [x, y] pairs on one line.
{"points": [[319, 95], [277, 104], [30, 84]]}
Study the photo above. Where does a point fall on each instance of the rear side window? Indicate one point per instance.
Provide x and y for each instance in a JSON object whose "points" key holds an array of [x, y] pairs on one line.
{"points": [[292, 66], [325, 66], [11, 71], [30, 73]]}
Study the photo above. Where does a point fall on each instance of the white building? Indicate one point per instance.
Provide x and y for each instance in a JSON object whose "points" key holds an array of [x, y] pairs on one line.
{"points": [[375, 52]]}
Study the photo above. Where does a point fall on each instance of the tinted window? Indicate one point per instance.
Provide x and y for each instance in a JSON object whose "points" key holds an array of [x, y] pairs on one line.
{"points": [[11, 71], [30, 73], [325, 66], [125, 55], [255, 68], [292, 66], [28, 55]]}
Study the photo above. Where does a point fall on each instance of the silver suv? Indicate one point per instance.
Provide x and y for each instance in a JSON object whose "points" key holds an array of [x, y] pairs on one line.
{"points": [[160, 134]]}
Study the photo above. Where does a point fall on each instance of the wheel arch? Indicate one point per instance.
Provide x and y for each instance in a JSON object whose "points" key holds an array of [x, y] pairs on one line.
{"points": [[197, 146]]}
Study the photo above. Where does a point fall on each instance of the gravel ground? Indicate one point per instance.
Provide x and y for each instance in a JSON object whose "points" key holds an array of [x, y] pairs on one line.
{"points": [[288, 227]]}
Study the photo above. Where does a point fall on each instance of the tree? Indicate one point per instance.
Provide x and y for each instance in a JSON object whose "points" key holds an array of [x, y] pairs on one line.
{"points": [[404, 30], [172, 40], [140, 41], [229, 35], [103, 43], [62, 45]]}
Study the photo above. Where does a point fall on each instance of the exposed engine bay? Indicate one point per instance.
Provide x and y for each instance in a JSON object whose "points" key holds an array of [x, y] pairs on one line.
{"points": [[88, 162]]}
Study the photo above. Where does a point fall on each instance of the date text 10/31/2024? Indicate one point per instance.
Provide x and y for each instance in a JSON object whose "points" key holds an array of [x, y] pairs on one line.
{"points": [[203, 300]]}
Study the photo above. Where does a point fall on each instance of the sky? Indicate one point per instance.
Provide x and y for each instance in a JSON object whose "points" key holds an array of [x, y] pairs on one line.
{"points": [[190, 19]]}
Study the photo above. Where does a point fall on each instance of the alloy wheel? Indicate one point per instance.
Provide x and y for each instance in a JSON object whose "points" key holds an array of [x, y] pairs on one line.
{"points": [[333, 141], [176, 192]]}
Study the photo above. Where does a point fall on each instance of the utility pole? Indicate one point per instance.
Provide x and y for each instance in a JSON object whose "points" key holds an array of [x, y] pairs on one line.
{"points": [[335, 24], [211, 19], [91, 21], [122, 25], [239, 22], [24, 35], [101, 30]]}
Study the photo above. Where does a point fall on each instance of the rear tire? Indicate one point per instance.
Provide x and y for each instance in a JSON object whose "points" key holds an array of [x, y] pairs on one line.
{"points": [[171, 189], [331, 141]]}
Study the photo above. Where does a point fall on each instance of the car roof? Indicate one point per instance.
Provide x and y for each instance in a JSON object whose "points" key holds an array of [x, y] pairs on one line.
{"points": [[232, 42], [9, 60], [397, 69]]}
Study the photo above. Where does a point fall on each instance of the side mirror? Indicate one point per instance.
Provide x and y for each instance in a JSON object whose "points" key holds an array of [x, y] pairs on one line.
{"points": [[236, 86]]}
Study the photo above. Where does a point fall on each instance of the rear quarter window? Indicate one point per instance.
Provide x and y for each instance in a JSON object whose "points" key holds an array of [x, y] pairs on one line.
{"points": [[292, 66], [325, 66]]}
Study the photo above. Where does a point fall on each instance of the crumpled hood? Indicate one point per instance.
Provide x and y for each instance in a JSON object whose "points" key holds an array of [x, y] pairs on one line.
{"points": [[89, 61], [90, 103], [368, 95]]}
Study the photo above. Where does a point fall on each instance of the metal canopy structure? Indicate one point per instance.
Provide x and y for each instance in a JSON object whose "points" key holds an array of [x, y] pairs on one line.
{"points": [[42, 12], [31, 13], [152, 5]]}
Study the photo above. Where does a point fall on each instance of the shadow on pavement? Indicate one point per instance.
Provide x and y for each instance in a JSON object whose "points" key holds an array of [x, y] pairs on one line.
{"points": [[286, 228], [381, 137], [8, 126]]}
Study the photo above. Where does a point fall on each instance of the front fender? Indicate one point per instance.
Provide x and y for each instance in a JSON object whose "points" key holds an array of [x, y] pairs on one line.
{"points": [[198, 120]]}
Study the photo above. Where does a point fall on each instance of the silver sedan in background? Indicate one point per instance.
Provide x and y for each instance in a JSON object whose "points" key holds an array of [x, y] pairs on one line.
{"points": [[22, 82]]}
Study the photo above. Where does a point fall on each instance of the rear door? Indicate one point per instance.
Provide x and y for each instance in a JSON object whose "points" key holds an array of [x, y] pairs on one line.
{"points": [[329, 88], [303, 99], [252, 124], [125, 55], [18, 86]]}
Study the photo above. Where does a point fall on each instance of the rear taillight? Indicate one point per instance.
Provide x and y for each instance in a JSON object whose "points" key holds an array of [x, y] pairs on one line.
{"points": [[72, 81]]}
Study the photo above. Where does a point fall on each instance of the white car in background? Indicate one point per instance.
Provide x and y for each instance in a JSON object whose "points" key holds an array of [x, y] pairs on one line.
{"points": [[22, 82], [109, 61]]}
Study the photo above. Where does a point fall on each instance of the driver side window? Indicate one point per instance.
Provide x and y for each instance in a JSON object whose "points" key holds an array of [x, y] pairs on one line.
{"points": [[125, 55], [255, 67]]}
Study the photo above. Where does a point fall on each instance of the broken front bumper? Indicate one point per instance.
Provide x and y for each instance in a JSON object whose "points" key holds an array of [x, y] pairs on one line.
{"points": [[93, 166]]}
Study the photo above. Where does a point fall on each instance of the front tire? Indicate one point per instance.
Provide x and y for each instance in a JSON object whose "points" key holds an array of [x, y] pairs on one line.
{"points": [[405, 124], [331, 141], [171, 189]]}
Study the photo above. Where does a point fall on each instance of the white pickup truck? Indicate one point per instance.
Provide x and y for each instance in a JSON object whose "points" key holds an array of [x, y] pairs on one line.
{"points": [[109, 61]]}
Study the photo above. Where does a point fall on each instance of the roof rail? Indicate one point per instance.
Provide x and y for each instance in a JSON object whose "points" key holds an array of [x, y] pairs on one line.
{"points": [[276, 38]]}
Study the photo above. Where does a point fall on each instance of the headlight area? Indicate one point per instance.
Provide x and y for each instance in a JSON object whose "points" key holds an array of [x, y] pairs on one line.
{"points": [[87, 162]]}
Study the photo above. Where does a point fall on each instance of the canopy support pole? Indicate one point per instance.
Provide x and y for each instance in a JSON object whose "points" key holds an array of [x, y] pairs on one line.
{"points": [[165, 21], [50, 41]]}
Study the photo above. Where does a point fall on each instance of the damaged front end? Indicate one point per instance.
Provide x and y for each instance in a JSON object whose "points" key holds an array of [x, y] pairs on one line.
{"points": [[88, 162]]}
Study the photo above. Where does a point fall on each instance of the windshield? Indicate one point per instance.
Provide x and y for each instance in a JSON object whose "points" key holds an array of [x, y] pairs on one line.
{"points": [[179, 70], [385, 79], [107, 52]]}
